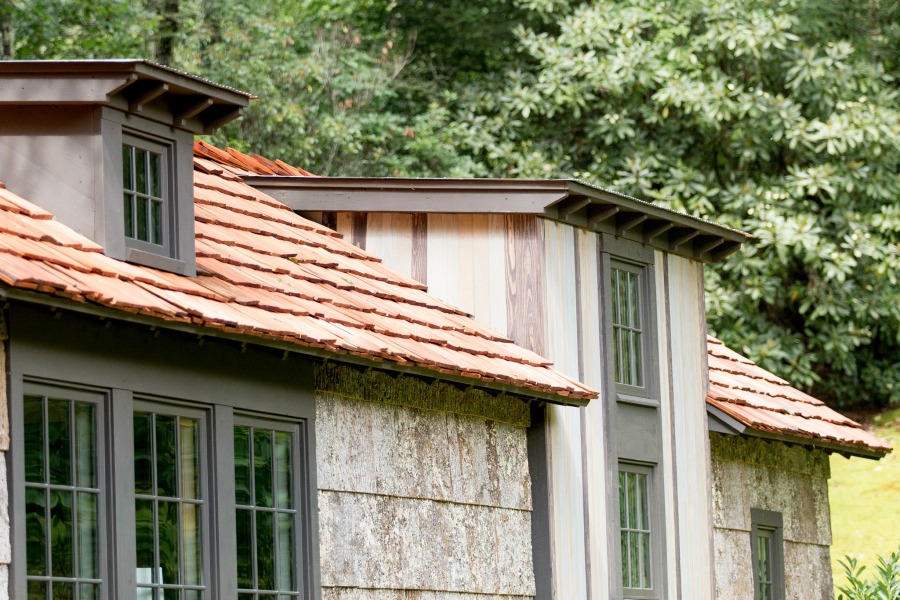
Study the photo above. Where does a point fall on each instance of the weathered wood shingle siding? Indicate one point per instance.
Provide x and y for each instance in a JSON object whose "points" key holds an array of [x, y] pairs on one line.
{"points": [[752, 473], [542, 282], [424, 490]]}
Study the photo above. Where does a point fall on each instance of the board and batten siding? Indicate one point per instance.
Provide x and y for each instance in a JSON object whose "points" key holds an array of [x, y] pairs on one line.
{"points": [[539, 282], [424, 490], [5, 541]]}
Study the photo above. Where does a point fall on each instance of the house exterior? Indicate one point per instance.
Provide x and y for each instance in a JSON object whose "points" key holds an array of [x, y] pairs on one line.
{"points": [[739, 482], [209, 396]]}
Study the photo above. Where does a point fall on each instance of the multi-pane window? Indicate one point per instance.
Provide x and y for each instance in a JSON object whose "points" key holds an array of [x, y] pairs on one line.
{"points": [[766, 554], [168, 506], [626, 327], [62, 497], [764, 563], [266, 512], [635, 528], [144, 179]]}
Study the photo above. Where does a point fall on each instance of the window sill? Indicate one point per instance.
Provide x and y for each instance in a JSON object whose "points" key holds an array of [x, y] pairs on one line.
{"points": [[158, 261], [638, 400]]}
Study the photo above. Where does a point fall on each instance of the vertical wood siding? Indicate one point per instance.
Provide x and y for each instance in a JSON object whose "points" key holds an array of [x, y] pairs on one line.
{"points": [[593, 417], [525, 280], [390, 237], [687, 335], [667, 410], [564, 440]]}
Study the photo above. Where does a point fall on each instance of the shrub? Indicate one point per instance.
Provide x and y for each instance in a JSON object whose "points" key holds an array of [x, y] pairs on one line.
{"points": [[884, 585]]}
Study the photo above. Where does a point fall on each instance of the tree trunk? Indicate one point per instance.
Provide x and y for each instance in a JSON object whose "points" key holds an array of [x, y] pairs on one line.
{"points": [[168, 31], [7, 48]]}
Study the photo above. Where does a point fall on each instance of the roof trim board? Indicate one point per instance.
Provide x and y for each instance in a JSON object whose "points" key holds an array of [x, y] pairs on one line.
{"points": [[128, 84], [569, 201]]}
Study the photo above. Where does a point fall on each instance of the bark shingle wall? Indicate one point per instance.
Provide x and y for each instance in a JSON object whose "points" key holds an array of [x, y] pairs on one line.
{"points": [[752, 473], [424, 491]]}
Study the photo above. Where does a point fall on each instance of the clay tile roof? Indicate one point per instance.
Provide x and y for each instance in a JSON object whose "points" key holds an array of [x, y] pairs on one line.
{"points": [[264, 271], [766, 403]]}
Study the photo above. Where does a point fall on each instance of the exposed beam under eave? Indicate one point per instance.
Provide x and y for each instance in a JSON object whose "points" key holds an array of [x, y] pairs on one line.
{"points": [[573, 202]]}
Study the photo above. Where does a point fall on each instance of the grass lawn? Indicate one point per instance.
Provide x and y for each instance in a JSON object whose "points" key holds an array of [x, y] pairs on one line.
{"points": [[865, 501]]}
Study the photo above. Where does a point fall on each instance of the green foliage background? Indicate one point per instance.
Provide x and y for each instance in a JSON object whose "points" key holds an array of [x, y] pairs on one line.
{"points": [[780, 117]]}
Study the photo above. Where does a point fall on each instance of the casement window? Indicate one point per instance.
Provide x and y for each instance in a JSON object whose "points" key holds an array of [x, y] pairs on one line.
{"points": [[627, 329], [146, 195], [63, 484], [170, 539], [767, 554], [639, 537]]}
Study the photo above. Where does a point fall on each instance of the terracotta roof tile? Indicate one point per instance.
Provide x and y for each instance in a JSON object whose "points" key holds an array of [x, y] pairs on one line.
{"points": [[266, 272], [764, 402]]}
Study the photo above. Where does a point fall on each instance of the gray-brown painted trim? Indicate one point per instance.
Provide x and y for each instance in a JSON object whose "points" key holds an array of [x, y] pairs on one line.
{"points": [[721, 422], [539, 469], [131, 85], [565, 200]]}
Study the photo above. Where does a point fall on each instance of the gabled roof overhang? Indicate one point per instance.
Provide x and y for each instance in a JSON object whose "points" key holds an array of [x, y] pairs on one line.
{"points": [[131, 85], [565, 200]]}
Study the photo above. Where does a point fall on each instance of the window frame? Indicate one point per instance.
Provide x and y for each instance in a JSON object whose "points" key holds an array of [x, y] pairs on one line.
{"points": [[17, 479], [222, 382], [164, 149], [656, 534], [772, 523], [178, 254]]}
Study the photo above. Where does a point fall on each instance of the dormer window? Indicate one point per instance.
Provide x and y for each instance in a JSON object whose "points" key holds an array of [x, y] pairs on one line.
{"points": [[146, 195], [107, 147]]}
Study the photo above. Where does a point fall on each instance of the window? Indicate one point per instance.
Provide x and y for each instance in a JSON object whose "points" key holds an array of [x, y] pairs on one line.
{"points": [[144, 194], [62, 472], [766, 551], [627, 326], [635, 529], [266, 510], [169, 503], [172, 546]]}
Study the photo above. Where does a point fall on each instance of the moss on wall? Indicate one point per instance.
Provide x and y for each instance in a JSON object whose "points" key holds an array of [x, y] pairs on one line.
{"points": [[372, 385]]}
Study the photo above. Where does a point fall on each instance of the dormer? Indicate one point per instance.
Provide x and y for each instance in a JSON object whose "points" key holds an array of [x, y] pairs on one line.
{"points": [[107, 147]]}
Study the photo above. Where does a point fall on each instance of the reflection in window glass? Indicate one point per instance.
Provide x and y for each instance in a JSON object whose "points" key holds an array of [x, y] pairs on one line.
{"points": [[627, 332], [168, 507], [61, 498], [634, 522], [265, 513], [142, 179]]}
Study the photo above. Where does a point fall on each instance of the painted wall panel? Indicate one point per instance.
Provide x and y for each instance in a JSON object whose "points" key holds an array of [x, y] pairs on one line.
{"points": [[567, 506], [667, 416], [687, 323], [594, 424]]}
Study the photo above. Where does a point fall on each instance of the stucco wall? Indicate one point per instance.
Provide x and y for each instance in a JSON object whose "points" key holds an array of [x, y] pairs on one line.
{"points": [[424, 491], [752, 473]]}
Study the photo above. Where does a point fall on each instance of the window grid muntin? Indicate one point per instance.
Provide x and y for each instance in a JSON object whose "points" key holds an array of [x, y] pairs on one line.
{"points": [[627, 327], [49, 581], [635, 525], [154, 590], [150, 194], [246, 593]]}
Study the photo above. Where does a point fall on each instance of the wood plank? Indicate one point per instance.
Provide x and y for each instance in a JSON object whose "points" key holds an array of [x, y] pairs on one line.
{"points": [[596, 458], [420, 247], [343, 224], [465, 257], [389, 236], [358, 231], [687, 335], [667, 414], [524, 278], [493, 264], [443, 250]]}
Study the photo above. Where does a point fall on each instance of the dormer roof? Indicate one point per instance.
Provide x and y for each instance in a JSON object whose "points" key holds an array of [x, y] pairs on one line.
{"points": [[130, 85]]}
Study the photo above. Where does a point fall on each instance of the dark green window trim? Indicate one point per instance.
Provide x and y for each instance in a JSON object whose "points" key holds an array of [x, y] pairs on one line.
{"points": [[767, 554]]}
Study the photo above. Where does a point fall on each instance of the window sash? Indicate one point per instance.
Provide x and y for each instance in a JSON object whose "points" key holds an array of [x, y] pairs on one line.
{"points": [[627, 326], [635, 528], [148, 213], [64, 491]]}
